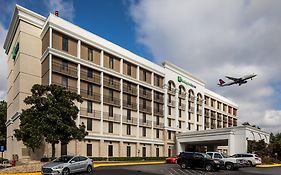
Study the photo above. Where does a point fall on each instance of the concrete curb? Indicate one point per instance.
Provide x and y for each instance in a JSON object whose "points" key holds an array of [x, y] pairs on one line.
{"points": [[268, 166], [98, 165]]}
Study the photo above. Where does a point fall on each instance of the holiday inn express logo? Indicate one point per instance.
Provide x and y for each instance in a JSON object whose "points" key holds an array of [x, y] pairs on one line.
{"points": [[181, 80]]}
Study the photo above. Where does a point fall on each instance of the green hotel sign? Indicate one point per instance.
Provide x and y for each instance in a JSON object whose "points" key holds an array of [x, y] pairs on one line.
{"points": [[15, 51], [181, 80]]}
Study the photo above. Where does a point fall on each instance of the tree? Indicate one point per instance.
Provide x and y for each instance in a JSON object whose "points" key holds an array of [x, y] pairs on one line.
{"points": [[3, 118], [51, 117]]}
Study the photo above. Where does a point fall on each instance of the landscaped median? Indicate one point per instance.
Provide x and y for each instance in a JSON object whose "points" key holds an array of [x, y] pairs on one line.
{"points": [[268, 165], [96, 164]]}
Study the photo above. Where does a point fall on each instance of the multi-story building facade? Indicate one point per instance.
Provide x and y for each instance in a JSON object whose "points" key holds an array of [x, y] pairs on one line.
{"points": [[131, 106]]}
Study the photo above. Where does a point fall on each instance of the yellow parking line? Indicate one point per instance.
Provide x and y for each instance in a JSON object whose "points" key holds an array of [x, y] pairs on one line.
{"points": [[34, 173], [268, 166]]}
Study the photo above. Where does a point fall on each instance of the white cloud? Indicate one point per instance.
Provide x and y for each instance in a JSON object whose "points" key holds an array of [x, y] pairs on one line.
{"points": [[3, 62], [65, 8], [215, 38]]}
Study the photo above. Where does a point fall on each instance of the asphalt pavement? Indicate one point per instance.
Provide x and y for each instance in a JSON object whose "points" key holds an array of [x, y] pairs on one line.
{"points": [[173, 169]]}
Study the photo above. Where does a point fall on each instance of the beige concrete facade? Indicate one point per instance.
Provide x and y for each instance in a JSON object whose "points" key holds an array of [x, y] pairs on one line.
{"points": [[130, 105]]}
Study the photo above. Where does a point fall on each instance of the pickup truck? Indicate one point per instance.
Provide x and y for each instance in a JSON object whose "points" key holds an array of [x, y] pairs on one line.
{"points": [[230, 163]]}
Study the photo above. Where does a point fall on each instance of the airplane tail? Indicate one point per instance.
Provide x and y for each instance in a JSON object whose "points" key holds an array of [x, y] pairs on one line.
{"points": [[221, 82]]}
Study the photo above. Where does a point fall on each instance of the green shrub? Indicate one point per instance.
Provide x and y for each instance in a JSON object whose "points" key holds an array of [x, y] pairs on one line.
{"points": [[3, 160], [45, 159], [128, 158]]}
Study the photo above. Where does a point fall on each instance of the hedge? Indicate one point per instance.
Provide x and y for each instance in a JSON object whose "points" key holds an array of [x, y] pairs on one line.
{"points": [[3, 159], [127, 158]]}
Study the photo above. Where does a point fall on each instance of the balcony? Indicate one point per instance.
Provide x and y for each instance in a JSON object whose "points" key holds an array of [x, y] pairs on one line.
{"points": [[182, 95], [191, 109], [159, 98], [213, 126], [182, 106], [145, 94], [146, 123], [191, 98], [145, 109], [171, 103], [130, 105], [94, 78], [158, 125], [64, 69], [90, 95], [158, 112], [224, 119], [94, 114], [213, 116], [207, 114], [219, 118], [111, 100], [172, 91], [69, 88], [113, 118], [131, 120], [199, 111], [207, 124], [130, 89], [111, 83], [200, 101]]}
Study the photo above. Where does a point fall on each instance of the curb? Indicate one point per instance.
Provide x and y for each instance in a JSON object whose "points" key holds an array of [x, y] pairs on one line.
{"points": [[97, 165], [268, 166]]}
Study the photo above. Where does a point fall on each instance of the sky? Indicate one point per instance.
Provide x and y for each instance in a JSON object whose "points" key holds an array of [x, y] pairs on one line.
{"points": [[210, 39]]}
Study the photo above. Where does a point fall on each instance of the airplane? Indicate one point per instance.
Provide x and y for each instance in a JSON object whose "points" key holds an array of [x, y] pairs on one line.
{"points": [[239, 81]]}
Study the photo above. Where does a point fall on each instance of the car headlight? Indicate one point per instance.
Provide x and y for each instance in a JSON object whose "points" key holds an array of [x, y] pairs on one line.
{"points": [[238, 161], [58, 167], [216, 161]]}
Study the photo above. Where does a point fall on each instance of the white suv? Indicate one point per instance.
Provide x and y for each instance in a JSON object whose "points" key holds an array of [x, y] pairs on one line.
{"points": [[253, 159]]}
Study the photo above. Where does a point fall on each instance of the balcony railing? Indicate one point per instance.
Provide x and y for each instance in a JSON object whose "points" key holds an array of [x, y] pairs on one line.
{"points": [[130, 89], [145, 94], [66, 70], [130, 105], [182, 106], [111, 100], [146, 109], [90, 95], [199, 101], [172, 91], [213, 126], [94, 78], [171, 103], [111, 83], [191, 109], [146, 123], [93, 114], [225, 119], [191, 98], [130, 120], [158, 112], [199, 111], [182, 95], [207, 124], [213, 116], [113, 117], [207, 113], [159, 98], [70, 88], [158, 124]]}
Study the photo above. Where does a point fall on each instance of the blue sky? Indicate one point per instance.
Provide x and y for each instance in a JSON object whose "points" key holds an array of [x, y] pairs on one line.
{"points": [[210, 39]]}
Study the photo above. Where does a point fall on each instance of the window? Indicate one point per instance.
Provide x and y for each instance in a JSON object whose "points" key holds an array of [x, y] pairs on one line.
{"points": [[197, 127], [144, 91], [89, 107], [157, 120], [111, 94], [90, 73], [128, 100], [169, 98], [110, 127], [110, 150], [157, 152], [144, 75], [158, 81], [179, 101], [189, 126], [179, 113], [110, 111], [89, 149], [128, 129], [90, 54], [157, 133], [144, 104], [143, 151], [129, 69], [189, 115], [111, 80], [144, 132], [89, 124], [64, 149], [144, 117], [65, 43], [90, 90], [179, 124], [217, 156], [170, 110], [169, 135], [169, 122], [64, 65], [64, 81], [128, 151], [129, 114], [169, 152], [111, 63]]}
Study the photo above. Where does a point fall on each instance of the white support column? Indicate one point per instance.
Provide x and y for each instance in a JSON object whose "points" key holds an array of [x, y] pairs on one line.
{"points": [[195, 112], [138, 102], [231, 144], [78, 92], [186, 110], [51, 38], [101, 89], [177, 108], [203, 112], [165, 105], [179, 147], [79, 49], [152, 112], [121, 99], [50, 69]]}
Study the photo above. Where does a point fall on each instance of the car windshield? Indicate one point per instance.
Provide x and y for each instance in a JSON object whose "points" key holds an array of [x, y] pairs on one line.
{"points": [[206, 156], [63, 159], [224, 155]]}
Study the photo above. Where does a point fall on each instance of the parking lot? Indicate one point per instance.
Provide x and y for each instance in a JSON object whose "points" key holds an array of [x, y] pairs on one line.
{"points": [[173, 169]]}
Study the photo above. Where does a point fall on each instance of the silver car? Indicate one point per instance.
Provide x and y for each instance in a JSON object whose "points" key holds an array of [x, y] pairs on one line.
{"points": [[66, 165]]}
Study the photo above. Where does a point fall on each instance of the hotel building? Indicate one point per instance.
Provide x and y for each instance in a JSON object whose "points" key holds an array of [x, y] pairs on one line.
{"points": [[131, 106]]}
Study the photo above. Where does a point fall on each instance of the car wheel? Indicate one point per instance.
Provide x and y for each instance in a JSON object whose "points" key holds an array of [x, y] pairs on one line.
{"points": [[184, 165], [229, 166], [250, 163], [208, 167], [89, 168], [65, 171]]}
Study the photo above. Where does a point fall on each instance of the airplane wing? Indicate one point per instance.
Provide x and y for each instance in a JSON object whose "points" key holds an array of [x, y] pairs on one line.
{"points": [[228, 84], [232, 78]]}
